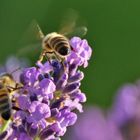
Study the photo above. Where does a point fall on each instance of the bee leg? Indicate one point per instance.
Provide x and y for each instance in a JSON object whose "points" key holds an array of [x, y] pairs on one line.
{"points": [[64, 66], [57, 57], [10, 89], [71, 48], [18, 86], [16, 108], [47, 57], [43, 53], [61, 60]]}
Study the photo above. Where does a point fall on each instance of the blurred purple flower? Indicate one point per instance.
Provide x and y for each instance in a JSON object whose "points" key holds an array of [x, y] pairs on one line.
{"points": [[93, 125], [121, 122], [50, 95], [125, 113], [13, 63]]}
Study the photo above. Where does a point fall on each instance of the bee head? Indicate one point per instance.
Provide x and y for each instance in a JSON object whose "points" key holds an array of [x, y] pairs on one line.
{"points": [[6, 80]]}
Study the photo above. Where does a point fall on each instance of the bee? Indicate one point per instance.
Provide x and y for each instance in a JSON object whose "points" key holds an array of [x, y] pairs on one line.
{"points": [[8, 86], [56, 45]]}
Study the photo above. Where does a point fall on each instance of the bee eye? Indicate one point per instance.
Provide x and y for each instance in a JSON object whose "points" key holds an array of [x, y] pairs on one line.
{"points": [[64, 50]]}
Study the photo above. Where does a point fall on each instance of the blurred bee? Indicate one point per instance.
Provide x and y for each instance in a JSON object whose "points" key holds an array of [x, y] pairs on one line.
{"points": [[7, 89], [56, 45]]}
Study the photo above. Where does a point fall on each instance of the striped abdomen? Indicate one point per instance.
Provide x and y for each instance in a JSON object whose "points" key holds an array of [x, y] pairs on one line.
{"points": [[58, 43], [5, 104]]}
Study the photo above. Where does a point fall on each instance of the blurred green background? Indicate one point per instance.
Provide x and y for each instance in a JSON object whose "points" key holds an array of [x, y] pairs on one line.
{"points": [[113, 33]]}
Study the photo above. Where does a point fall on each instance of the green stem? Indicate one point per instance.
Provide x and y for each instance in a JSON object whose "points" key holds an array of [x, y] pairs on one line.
{"points": [[36, 138], [5, 125]]}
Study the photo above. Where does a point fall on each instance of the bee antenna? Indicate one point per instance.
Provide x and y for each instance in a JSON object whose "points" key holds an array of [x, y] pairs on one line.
{"points": [[15, 70], [41, 35]]}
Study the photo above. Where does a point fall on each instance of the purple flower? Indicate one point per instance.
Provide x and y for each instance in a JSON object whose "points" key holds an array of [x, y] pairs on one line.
{"points": [[81, 52], [121, 122], [18, 132], [126, 104], [38, 111], [50, 95], [93, 125], [125, 113]]}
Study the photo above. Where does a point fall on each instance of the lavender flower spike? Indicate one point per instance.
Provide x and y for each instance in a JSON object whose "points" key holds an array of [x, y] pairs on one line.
{"points": [[49, 96], [125, 113]]}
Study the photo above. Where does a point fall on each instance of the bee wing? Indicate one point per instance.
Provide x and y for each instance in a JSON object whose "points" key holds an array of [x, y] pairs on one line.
{"points": [[71, 24], [33, 33], [31, 49], [79, 31], [31, 39]]}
